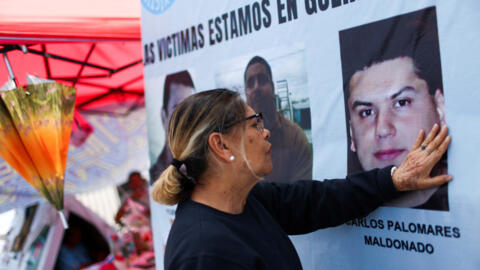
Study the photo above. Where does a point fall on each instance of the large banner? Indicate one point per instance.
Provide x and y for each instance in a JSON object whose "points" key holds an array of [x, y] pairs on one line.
{"points": [[344, 86]]}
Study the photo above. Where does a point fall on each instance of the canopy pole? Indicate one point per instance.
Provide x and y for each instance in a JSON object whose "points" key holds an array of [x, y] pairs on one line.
{"points": [[9, 68], [64, 220]]}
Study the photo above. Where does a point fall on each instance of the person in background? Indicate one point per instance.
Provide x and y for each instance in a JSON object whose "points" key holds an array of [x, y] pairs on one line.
{"points": [[134, 214], [137, 191]]}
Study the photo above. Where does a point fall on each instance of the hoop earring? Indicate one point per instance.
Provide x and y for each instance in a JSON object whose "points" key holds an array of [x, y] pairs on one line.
{"points": [[232, 158]]}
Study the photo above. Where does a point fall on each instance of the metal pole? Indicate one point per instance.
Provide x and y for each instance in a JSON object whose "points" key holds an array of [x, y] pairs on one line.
{"points": [[10, 71]]}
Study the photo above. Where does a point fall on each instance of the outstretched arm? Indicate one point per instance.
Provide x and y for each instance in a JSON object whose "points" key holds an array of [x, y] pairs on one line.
{"points": [[310, 205], [307, 206]]}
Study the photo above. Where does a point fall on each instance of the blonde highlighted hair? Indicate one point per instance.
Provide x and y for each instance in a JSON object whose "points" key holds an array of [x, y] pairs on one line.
{"points": [[192, 122]]}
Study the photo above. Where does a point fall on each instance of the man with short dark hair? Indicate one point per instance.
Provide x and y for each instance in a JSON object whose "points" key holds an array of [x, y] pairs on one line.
{"points": [[393, 90], [291, 152]]}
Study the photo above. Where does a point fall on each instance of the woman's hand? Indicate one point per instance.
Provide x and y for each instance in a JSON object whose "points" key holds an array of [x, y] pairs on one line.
{"points": [[414, 172]]}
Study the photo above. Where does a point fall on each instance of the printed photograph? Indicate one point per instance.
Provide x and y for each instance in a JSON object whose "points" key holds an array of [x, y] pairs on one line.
{"points": [[274, 82], [392, 81]]}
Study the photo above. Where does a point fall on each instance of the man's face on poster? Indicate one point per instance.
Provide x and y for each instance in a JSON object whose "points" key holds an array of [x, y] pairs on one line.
{"points": [[389, 105], [259, 91], [178, 92]]}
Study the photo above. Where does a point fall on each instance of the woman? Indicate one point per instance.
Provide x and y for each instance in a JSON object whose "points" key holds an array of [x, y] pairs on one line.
{"points": [[226, 219]]}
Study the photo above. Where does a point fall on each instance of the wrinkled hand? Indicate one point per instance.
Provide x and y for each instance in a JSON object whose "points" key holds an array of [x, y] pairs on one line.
{"points": [[414, 172]]}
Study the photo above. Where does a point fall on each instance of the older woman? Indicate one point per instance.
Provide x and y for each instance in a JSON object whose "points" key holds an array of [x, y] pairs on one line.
{"points": [[226, 219]]}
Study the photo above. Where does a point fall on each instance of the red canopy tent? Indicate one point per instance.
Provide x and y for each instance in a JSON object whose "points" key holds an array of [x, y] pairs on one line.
{"points": [[94, 46]]}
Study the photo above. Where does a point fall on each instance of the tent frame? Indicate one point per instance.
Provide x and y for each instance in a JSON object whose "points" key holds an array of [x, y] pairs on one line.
{"points": [[77, 79]]}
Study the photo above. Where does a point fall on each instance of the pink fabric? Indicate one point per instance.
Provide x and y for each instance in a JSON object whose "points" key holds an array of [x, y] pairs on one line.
{"points": [[24, 21]]}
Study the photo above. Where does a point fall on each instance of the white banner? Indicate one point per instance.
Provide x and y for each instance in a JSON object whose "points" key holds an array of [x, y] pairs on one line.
{"points": [[352, 83]]}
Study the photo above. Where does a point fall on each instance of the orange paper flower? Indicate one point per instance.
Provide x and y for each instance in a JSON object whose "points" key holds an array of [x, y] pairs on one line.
{"points": [[35, 127]]}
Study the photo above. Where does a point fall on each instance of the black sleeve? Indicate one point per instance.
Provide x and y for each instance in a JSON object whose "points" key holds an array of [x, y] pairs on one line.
{"points": [[306, 206], [208, 263]]}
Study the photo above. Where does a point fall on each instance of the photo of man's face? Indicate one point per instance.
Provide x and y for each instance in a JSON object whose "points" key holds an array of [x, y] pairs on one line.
{"points": [[392, 82], [276, 85], [259, 92], [178, 92], [388, 105], [177, 87]]}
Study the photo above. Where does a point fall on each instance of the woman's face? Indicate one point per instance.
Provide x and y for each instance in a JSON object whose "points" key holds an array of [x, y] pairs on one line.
{"points": [[257, 148]]}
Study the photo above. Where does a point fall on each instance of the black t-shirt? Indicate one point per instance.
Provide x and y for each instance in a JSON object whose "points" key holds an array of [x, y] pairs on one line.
{"points": [[205, 238]]}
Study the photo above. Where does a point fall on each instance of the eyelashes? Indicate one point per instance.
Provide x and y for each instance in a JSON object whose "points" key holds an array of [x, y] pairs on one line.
{"points": [[398, 104]]}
